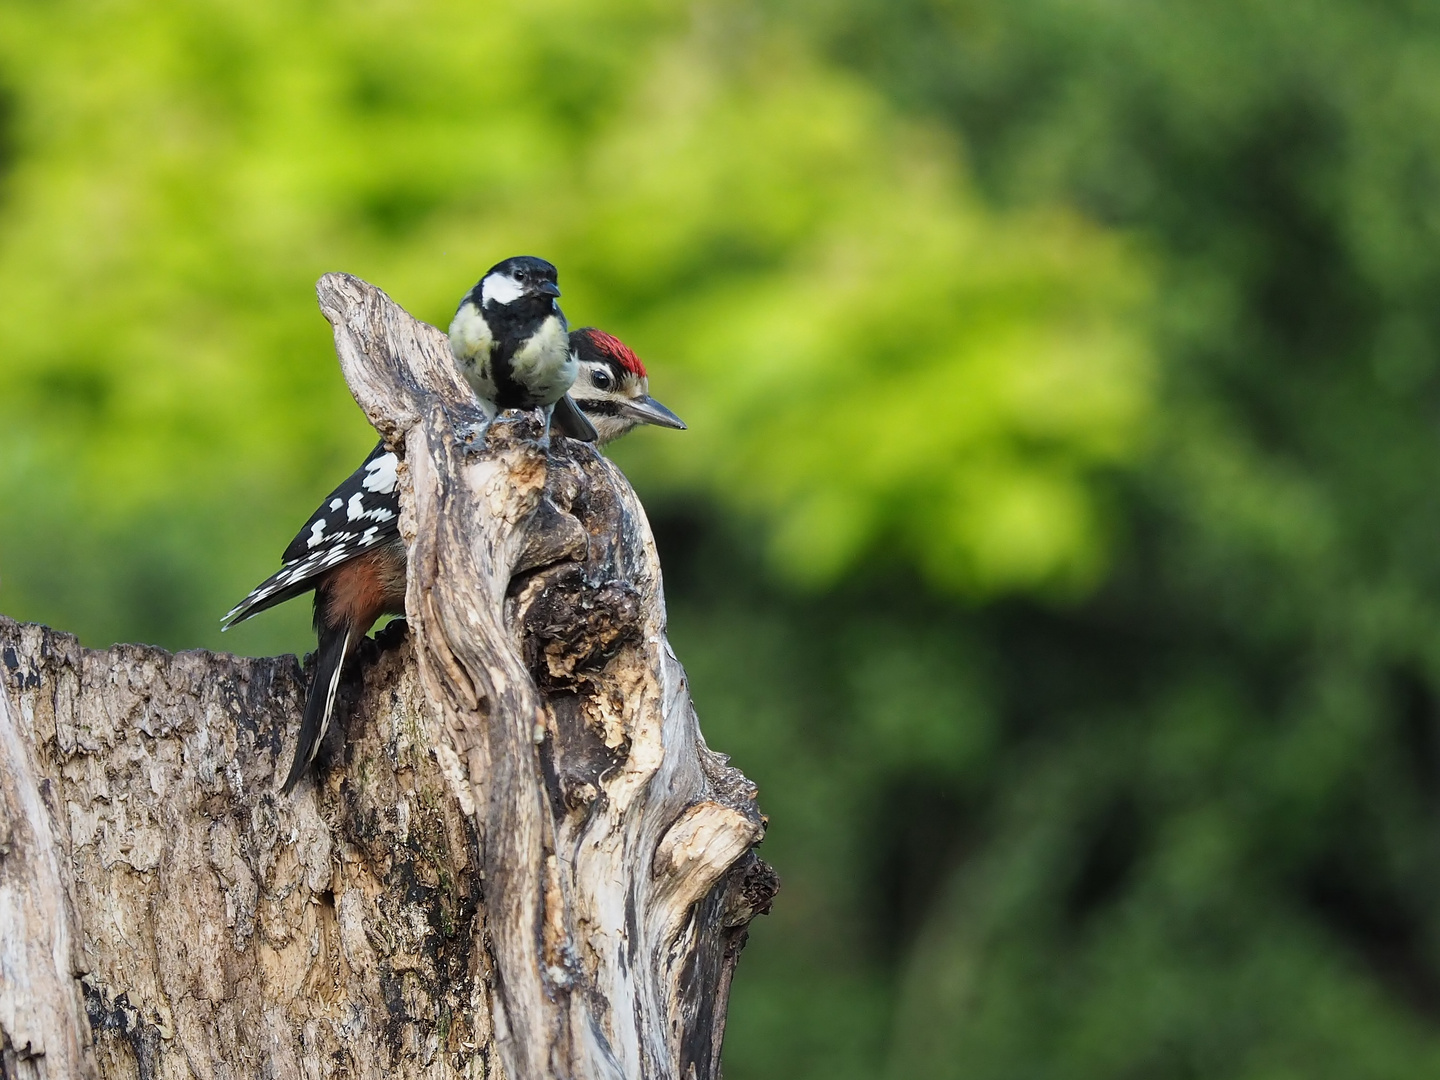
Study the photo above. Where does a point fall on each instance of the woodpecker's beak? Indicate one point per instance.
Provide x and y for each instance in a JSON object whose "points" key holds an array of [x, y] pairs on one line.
{"points": [[548, 288], [649, 411]]}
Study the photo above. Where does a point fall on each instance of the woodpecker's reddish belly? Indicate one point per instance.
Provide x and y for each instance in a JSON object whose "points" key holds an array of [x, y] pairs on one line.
{"points": [[366, 587]]}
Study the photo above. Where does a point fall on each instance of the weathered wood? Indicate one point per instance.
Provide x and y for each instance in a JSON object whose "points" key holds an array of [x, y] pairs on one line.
{"points": [[224, 930], [518, 859], [42, 1017], [536, 602]]}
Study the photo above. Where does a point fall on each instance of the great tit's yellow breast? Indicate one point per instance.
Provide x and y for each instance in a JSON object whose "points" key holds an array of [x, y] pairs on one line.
{"points": [[473, 344], [544, 363], [470, 336]]}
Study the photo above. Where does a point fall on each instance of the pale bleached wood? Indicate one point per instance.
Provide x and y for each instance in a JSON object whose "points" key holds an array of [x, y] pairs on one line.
{"points": [[517, 857], [43, 1032]]}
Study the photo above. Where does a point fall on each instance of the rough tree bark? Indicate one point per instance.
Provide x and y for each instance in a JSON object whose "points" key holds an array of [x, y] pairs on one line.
{"points": [[518, 857]]}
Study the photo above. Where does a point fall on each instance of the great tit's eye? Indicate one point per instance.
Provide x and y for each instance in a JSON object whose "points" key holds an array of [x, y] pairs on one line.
{"points": [[600, 379], [520, 275]]}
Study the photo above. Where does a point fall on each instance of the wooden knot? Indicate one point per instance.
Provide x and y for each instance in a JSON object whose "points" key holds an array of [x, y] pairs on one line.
{"points": [[702, 842]]}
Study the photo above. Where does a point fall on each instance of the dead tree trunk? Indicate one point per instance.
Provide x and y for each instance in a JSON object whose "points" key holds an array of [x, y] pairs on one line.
{"points": [[519, 859]]}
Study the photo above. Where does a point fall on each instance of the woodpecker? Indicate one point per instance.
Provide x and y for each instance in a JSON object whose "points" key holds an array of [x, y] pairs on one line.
{"points": [[350, 552], [509, 337], [612, 387]]}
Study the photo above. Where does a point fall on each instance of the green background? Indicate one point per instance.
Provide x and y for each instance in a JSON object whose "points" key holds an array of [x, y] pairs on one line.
{"points": [[1057, 536]]}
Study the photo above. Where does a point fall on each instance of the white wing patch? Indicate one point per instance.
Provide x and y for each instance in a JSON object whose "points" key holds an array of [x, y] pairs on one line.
{"points": [[380, 475], [357, 509]]}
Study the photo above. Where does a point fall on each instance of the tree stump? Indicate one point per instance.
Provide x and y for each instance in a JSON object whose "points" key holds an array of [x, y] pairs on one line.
{"points": [[517, 857]]}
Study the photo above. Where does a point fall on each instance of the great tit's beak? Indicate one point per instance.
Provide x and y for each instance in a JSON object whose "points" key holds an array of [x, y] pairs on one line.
{"points": [[649, 411], [548, 288]]}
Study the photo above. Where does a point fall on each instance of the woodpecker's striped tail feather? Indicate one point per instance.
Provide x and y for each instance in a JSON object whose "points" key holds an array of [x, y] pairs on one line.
{"points": [[336, 644]]}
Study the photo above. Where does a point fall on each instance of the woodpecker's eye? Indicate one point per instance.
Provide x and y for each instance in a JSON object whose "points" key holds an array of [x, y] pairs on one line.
{"points": [[601, 380]]}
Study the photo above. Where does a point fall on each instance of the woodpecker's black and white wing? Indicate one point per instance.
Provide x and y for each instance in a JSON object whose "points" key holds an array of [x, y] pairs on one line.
{"points": [[360, 514]]}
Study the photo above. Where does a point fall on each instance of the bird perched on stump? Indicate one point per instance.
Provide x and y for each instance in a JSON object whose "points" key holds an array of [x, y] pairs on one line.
{"points": [[350, 551], [509, 337]]}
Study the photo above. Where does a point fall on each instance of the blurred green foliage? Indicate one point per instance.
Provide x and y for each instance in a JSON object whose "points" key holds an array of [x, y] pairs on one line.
{"points": [[757, 222], [1056, 536]]}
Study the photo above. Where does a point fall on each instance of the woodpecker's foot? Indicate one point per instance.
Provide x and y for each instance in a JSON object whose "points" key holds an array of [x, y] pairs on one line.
{"points": [[392, 633]]}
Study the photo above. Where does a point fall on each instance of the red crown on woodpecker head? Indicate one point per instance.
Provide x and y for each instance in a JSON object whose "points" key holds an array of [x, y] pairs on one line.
{"points": [[609, 347]]}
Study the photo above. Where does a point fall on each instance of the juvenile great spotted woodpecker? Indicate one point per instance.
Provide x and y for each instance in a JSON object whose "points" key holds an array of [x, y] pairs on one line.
{"points": [[509, 337], [351, 554], [612, 387]]}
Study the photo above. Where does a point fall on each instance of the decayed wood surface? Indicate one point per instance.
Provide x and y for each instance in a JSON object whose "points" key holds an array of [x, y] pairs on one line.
{"points": [[518, 859], [41, 1013], [220, 929]]}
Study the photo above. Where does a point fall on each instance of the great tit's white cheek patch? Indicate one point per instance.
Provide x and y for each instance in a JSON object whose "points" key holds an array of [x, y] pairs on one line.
{"points": [[500, 289]]}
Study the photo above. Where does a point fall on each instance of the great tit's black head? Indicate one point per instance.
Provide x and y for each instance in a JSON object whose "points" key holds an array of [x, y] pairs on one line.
{"points": [[612, 387], [521, 278]]}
